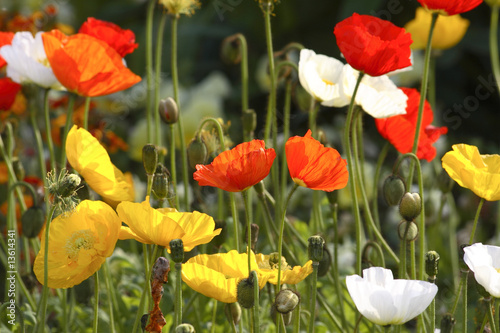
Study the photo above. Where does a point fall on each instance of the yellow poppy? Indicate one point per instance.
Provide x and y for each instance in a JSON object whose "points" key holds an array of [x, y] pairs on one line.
{"points": [[199, 228], [478, 173], [448, 31], [89, 158], [289, 275], [78, 244], [217, 275]]}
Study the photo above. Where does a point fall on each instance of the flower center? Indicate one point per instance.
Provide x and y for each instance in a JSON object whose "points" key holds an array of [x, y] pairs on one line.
{"points": [[272, 263], [328, 82], [81, 239]]}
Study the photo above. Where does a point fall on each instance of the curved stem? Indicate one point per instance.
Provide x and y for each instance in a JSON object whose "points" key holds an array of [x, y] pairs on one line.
{"points": [[378, 169], [159, 49], [495, 61], [476, 218], [149, 65]]}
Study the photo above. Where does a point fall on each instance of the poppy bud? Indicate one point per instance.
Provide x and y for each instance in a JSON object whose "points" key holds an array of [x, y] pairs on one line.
{"points": [[447, 323], [325, 262], [230, 51], [177, 250], [150, 158], [160, 181], [18, 168], [249, 120], [411, 233], [410, 206], [245, 292], [315, 248], [233, 312], [32, 221], [286, 301], [197, 152], [394, 188], [431, 264], [68, 185], [287, 317], [168, 110], [184, 328]]}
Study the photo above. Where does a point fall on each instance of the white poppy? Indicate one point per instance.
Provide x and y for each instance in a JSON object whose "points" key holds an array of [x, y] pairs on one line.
{"points": [[320, 76], [386, 301], [378, 96], [484, 261], [27, 61]]}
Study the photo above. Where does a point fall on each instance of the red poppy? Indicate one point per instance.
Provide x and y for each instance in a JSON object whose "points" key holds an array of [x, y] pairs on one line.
{"points": [[123, 41], [315, 166], [448, 7], [9, 91], [5, 39], [237, 169], [372, 45], [400, 130], [86, 65]]}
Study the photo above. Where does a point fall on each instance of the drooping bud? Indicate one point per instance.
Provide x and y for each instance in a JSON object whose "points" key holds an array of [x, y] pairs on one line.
{"points": [[249, 121], [431, 265], [410, 206], [168, 110], [150, 158], [394, 188], [315, 248], [325, 262], [184, 328], [245, 292], [18, 168], [176, 250], [286, 300], [32, 221], [160, 182], [287, 317], [447, 323], [233, 312], [407, 230], [230, 51], [197, 152]]}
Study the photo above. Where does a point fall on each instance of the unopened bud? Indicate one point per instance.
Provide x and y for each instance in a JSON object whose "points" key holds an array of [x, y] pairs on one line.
{"points": [[431, 264], [18, 168], [315, 248], [168, 110], [197, 152], [184, 328], [233, 312], [325, 262], [394, 188], [286, 300], [407, 230], [69, 185], [287, 317], [410, 206], [447, 323], [150, 158], [160, 181], [245, 292], [249, 120], [177, 250], [230, 50], [32, 221]]}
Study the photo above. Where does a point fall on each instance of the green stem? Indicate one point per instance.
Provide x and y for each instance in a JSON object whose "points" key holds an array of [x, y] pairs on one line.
{"points": [[330, 313], [175, 81], [96, 302], [236, 222], [159, 49], [378, 169], [86, 113], [256, 325], [48, 134], [336, 275], [271, 106], [312, 310], [268, 221], [112, 302], [67, 127], [149, 65], [178, 294], [249, 228], [464, 303], [432, 310], [476, 218], [495, 61], [296, 319], [214, 316], [173, 168], [286, 132], [463, 280], [244, 72]]}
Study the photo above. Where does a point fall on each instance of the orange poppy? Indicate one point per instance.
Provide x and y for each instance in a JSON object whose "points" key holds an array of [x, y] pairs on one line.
{"points": [[237, 169], [315, 166], [87, 65]]}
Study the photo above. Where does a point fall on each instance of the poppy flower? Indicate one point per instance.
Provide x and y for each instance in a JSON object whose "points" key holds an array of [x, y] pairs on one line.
{"points": [[386, 301], [289, 275], [159, 226], [27, 62], [5, 39], [321, 77], [448, 7], [315, 166], [237, 169], [86, 65], [79, 243], [478, 173], [484, 261], [9, 91], [122, 40], [400, 130], [89, 158], [217, 275], [448, 31], [372, 45]]}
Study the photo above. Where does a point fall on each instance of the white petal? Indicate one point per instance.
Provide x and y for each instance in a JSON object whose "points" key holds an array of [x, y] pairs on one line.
{"points": [[484, 261]]}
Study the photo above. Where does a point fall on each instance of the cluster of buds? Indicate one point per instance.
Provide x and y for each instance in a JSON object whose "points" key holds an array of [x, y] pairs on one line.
{"points": [[62, 189]]}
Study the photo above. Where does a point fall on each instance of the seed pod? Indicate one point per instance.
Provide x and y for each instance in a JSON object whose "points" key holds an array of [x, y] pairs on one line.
{"points": [[150, 158], [410, 206], [412, 232], [286, 301], [197, 152]]}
